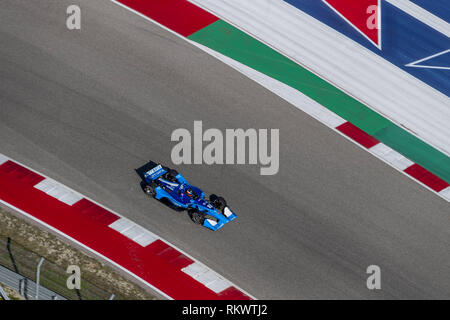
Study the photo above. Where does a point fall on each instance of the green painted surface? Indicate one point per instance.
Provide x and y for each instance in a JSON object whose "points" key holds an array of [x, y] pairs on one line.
{"points": [[231, 42], [235, 44]]}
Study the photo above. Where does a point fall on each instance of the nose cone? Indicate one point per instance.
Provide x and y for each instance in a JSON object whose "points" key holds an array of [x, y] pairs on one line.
{"points": [[213, 225], [229, 214]]}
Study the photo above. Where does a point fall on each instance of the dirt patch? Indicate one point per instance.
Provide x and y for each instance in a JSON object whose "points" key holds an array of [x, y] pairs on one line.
{"points": [[11, 293]]}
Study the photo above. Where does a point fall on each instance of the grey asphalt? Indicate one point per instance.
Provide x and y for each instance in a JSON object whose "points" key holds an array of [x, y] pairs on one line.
{"points": [[89, 107]]}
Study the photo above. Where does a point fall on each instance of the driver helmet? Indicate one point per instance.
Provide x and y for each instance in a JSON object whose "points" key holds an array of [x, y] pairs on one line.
{"points": [[189, 193]]}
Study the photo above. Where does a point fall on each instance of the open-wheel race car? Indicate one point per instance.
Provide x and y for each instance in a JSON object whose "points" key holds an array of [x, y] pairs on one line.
{"points": [[165, 183]]}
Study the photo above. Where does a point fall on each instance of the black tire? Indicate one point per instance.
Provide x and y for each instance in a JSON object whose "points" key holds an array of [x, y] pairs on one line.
{"points": [[197, 217], [149, 189], [218, 202], [171, 175]]}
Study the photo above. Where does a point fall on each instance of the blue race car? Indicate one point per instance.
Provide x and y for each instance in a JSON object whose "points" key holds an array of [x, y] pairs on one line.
{"points": [[164, 183]]}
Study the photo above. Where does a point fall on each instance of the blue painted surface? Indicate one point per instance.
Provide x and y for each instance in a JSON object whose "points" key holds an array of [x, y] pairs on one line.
{"points": [[440, 8], [404, 39]]}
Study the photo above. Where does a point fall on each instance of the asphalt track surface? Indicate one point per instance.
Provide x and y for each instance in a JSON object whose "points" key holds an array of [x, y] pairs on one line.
{"points": [[88, 107]]}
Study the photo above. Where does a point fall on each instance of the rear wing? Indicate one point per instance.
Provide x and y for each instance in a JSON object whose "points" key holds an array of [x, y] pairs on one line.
{"points": [[154, 173]]}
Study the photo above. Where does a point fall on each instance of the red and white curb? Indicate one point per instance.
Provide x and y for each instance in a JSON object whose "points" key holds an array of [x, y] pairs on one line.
{"points": [[128, 246], [396, 160]]}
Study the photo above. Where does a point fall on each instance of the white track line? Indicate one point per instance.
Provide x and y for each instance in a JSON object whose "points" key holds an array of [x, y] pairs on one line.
{"points": [[206, 276], [59, 191], [134, 232], [391, 156], [422, 15], [445, 193], [416, 64], [3, 159]]}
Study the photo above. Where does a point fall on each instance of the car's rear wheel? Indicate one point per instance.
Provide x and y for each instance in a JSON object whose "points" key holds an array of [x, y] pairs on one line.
{"points": [[197, 217], [171, 175], [218, 202], [149, 189]]}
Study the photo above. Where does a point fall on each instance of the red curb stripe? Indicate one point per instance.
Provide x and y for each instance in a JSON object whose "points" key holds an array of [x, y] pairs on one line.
{"points": [[426, 177], [157, 246], [180, 16], [231, 294], [20, 173], [94, 212], [182, 262], [358, 135], [171, 255]]}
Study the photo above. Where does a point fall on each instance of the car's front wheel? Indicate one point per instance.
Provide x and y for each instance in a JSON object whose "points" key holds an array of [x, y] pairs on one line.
{"points": [[218, 202], [197, 217]]}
